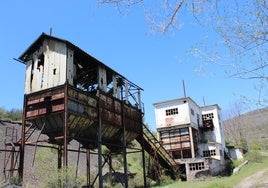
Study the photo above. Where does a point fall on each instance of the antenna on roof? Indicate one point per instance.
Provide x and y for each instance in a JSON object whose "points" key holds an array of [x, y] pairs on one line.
{"points": [[204, 102], [184, 90], [50, 31]]}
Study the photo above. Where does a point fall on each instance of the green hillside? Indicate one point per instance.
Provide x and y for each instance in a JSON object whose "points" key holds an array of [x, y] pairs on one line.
{"points": [[248, 130]]}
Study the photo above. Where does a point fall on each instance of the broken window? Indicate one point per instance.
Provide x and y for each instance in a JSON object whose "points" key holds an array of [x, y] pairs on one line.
{"points": [[208, 121], [196, 166], [213, 152], [198, 120], [176, 154], [40, 67], [40, 61], [192, 112], [208, 153], [207, 116], [172, 111]]}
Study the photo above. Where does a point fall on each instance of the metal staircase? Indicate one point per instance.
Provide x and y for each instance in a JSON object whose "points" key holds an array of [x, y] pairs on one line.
{"points": [[159, 154]]}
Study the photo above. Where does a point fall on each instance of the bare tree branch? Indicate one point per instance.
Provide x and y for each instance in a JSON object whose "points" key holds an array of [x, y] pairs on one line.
{"points": [[171, 20]]}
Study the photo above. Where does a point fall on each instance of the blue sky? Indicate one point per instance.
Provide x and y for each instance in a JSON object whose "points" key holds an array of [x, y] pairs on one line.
{"points": [[157, 63]]}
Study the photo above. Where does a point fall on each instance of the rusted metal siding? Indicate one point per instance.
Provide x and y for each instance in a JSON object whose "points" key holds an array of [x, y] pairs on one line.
{"points": [[44, 103], [82, 103], [47, 107]]}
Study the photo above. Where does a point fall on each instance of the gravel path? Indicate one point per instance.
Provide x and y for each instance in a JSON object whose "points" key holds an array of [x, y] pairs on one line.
{"points": [[257, 180]]}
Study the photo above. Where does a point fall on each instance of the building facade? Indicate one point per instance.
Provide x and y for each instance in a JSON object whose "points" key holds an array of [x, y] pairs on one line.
{"points": [[193, 136]]}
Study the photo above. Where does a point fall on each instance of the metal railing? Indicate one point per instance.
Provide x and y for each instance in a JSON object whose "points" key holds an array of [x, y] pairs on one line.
{"points": [[161, 151]]}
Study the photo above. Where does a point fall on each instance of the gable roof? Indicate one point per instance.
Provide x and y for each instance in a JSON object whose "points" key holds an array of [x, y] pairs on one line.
{"points": [[84, 58]]}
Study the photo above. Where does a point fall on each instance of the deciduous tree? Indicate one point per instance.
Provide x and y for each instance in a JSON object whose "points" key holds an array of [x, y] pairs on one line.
{"points": [[240, 25]]}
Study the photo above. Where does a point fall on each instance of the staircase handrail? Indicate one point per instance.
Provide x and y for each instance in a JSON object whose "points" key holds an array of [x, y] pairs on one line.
{"points": [[160, 148]]}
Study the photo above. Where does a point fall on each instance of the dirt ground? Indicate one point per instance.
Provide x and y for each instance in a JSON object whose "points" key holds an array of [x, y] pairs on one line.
{"points": [[259, 179]]}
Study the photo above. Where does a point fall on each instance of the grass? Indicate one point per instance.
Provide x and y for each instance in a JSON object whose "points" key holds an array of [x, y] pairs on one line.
{"points": [[223, 182]]}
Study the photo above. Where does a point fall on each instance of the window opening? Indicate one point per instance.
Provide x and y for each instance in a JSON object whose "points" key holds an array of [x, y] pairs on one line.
{"points": [[207, 116], [192, 111], [171, 111], [196, 166], [40, 61], [208, 153]]}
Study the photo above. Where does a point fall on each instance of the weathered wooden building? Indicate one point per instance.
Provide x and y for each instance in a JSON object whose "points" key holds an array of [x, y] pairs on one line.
{"points": [[70, 95], [193, 135]]}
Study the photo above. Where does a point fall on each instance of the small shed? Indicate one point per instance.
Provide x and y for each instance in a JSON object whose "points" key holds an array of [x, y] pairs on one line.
{"points": [[236, 153]]}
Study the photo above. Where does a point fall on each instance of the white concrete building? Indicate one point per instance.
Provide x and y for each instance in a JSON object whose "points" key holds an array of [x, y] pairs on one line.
{"points": [[193, 135]]}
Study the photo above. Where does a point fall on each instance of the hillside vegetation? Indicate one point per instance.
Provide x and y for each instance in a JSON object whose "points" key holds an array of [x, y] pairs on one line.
{"points": [[10, 115], [248, 131]]}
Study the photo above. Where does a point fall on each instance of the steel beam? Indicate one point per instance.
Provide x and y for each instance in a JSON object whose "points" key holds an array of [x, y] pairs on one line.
{"points": [[88, 167], [100, 149], [65, 128], [22, 144]]}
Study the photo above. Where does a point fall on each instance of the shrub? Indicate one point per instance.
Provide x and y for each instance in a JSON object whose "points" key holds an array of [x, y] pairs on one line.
{"points": [[54, 177], [230, 165], [254, 156], [12, 115], [15, 181], [256, 145]]}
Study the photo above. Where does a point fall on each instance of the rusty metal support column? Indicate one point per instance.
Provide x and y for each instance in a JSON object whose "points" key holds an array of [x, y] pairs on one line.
{"points": [[65, 128], [22, 144], [88, 167], [59, 156], [143, 164], [125, 157], [124, 131], [110, 169], [59, 163], [100, 149], [139, 99]]}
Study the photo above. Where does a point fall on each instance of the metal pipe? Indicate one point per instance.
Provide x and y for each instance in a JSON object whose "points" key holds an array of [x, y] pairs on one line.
{"points": [[184, 90]]}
